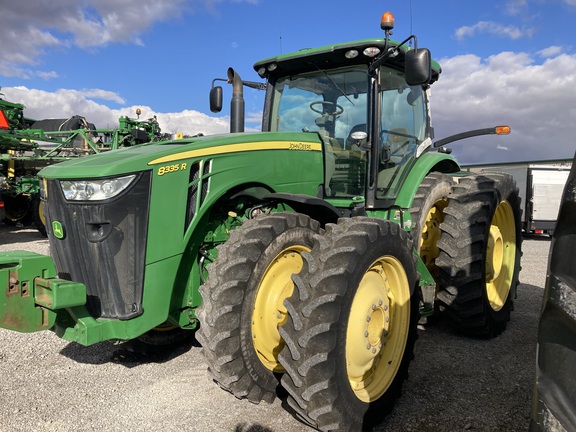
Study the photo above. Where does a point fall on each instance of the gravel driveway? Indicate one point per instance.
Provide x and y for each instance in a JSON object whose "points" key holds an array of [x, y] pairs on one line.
{"points": [[455, 384]]}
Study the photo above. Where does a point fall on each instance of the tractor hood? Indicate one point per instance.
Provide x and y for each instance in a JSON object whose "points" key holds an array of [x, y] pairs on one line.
{"points": [[148, 156]]}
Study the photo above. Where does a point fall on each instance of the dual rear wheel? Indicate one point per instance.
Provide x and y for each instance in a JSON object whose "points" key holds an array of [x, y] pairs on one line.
{"points": [[468, 234], [339, 334], [479, 254]]}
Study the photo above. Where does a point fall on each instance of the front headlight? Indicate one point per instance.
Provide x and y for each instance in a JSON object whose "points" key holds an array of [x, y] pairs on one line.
{"points": [[95, 190]]}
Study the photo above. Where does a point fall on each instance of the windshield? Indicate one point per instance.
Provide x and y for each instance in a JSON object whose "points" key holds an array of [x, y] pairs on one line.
{"points": [[332, 104], [403, 121]]}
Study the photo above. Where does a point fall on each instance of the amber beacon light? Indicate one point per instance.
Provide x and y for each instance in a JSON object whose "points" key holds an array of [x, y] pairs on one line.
{"points": [[387, 21]]}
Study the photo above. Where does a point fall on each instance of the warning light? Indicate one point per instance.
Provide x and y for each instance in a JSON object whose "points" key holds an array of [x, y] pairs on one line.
{"points": [[502, 130], [387, 21]]}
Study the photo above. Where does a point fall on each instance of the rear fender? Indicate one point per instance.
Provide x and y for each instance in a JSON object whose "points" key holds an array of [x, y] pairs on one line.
{"points": [[429, 161]]}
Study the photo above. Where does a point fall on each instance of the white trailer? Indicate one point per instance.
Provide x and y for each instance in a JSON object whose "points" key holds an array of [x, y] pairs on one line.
{"points": [[541, 188]]}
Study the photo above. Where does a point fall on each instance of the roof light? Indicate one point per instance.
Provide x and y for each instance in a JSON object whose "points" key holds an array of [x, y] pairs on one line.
{"points": [[387, 21], [371, 51], [272, 67], [4, 124], [351, 54]]}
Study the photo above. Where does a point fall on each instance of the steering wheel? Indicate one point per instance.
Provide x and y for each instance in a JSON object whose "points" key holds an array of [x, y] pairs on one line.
{"points": [[339, 109], [400, 134]]}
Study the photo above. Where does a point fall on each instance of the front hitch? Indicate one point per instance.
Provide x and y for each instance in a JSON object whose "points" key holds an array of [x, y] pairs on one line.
{"points": [[31, 294]]}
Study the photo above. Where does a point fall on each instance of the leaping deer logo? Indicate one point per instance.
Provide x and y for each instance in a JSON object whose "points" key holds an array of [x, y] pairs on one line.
{"points": [[58, 230]]}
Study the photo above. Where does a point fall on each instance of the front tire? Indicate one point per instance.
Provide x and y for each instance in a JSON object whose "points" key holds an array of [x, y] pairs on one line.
{"points": [[161, 340], [242, 304], [480, 252], [38, 215], [352, 325]]}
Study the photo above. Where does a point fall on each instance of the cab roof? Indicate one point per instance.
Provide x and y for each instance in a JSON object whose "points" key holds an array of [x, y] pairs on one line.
{"points": [[332, 56]]}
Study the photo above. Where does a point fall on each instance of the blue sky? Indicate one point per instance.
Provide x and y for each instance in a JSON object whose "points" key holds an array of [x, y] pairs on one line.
{"points": [[504, 62]]}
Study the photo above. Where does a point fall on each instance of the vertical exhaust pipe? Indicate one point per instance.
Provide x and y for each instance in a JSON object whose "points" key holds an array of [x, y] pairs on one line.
{"points": [[237, 102]]}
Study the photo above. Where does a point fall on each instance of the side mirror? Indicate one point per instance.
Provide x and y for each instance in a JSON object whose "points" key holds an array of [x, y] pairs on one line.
{"points": [[216, 99], [418, 66]]}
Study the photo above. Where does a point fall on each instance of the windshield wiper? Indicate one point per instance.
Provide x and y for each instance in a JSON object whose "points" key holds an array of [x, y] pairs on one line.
{"points": [[335, 85]]}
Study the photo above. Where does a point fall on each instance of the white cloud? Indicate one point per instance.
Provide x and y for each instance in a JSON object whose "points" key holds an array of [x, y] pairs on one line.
{"points": [[493, 28], [102, 94], [28, 31], [64, 103], [515, 7], [190, 122], [536, 100], [551, 51], [46, 75]]}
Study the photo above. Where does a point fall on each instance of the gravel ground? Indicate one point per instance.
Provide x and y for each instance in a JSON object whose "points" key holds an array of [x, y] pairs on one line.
{"points": [[455, 384]]}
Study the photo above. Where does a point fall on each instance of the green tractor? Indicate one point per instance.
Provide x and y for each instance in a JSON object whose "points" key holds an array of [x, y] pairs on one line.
{"points": [[27, 146], [305, 254]]}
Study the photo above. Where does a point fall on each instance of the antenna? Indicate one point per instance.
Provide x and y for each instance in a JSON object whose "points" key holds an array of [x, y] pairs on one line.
{"points": [[411, 31], [281, 40]]}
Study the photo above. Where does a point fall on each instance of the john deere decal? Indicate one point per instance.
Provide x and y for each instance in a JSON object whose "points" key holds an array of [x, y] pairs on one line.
{"points": [[58, 230]]}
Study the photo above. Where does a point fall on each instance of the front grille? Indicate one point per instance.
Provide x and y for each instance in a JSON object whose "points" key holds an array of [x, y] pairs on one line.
{"points": [[192, 193], [104, 246], [197, 189]]}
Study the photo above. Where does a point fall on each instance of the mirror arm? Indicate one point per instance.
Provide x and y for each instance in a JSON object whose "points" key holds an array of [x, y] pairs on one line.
{"points": [[389, 52]]}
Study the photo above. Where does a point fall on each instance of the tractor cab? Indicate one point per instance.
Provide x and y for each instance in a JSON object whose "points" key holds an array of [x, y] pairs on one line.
{"points": [[366, 100]]}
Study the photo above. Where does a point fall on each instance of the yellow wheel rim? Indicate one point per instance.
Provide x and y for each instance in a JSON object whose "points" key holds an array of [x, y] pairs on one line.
{"points": [[500, 255], [378, 329], [431, 234], [41, 213], [269, 311]]}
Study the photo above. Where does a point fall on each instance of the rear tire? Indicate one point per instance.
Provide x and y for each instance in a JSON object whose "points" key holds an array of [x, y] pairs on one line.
{"points": [[480, 252], [242, 304], [352, 325], [427, 214]]}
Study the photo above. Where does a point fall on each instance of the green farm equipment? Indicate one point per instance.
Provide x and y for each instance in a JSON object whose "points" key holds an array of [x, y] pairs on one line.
{"points": [[12, 116], [305, 254], [27, 146]]}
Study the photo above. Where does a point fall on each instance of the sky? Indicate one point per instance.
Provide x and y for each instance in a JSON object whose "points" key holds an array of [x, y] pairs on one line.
{"points": [[504, 62]]}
